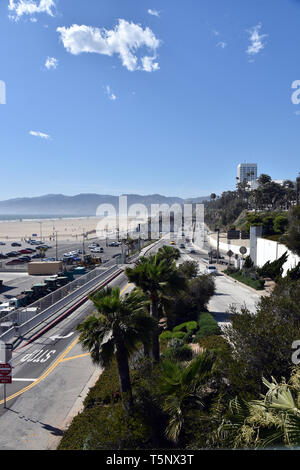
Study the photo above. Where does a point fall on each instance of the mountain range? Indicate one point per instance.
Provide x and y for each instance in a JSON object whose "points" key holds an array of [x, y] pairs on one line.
{"points": [[82, 204]]}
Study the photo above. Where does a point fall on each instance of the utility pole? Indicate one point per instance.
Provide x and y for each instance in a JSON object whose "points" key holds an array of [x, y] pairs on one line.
{"points": [[218, 244], [41, 235], [56, 247]]}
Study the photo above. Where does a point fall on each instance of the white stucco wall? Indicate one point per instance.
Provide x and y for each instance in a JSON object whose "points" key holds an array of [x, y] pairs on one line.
{"points": [[268, 250]]}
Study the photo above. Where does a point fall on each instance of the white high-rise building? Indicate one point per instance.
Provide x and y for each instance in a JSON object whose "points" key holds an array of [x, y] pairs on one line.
{"points": [[247, 172]]}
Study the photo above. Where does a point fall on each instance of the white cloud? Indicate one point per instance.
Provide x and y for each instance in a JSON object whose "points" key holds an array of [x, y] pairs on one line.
{"points": [[30, 7], [51, 63], [256, 40], [222, 44], [109, 93], [153, 12], [39, 134], [124, 40]]}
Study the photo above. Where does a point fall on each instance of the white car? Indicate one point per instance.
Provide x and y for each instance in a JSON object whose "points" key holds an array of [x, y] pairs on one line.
{"points": [[97, 250], [211, 270]]}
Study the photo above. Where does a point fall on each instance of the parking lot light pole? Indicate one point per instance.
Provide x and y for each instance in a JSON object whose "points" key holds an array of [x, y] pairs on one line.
{"points": [[56, 247]]}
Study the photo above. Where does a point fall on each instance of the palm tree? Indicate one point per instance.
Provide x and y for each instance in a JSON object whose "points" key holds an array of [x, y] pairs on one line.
{"points": [[272, 420], [181, 386], [155, 276], [169, 253], [116, 329]]}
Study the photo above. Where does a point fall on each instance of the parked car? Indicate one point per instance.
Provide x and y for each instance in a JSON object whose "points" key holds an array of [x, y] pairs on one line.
{"points": [[94, 245], [26, 259], [2, 243], [15, 261], [25, 251], [182, 245], [211, 270], [97, 250], [117, 255], [16, 244], [12, 254], [38, 255], [3, 256]]}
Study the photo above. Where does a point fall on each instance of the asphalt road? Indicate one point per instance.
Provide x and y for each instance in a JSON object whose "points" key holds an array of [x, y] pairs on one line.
{"points": [[49, 376], [52, 373]]}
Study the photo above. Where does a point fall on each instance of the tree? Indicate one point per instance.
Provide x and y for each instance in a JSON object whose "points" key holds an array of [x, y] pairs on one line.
{"points": [[181, 388], [272, 420], [155, 276], [189, 269], [261, 340], [168, 253], [292, 237], [116, 330]]}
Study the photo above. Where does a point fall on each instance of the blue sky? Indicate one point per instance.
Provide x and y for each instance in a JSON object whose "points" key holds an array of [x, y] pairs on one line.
{"points": [[207, 86]]}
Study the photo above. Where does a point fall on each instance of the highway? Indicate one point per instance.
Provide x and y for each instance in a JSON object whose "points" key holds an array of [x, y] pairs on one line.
{"points": [[51, 372]]}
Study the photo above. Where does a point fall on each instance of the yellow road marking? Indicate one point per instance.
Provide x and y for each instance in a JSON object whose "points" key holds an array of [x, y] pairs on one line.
{"points": [[60, 359], [75, 357]]}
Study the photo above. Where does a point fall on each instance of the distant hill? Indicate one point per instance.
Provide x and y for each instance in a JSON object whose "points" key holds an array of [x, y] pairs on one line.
{"points": [[81, 204]]}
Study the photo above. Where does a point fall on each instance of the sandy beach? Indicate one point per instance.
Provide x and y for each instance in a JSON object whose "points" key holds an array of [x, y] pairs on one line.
{"points": [[67, 229]]}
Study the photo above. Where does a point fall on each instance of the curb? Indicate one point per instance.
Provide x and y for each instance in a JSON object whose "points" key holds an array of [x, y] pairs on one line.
{"points": [[76, 408]]}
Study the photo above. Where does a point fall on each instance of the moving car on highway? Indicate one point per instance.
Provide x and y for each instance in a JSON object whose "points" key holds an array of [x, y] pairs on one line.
{"points": [[211, 270]]}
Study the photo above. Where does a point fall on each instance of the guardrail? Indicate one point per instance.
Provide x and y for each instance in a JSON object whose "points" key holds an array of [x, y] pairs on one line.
{"points": [[24, 320]]}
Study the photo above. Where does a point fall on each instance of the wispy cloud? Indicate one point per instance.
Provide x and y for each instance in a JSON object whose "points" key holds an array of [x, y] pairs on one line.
{"points": [[222, 44], [256, 40], [124, 40], [51, 63], [153, 12], [18, 8], [109, 93], [39, 134]]}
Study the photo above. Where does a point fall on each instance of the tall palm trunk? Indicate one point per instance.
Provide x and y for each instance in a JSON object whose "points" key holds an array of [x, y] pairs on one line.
{"points": [[155, 335], [124, 375]]}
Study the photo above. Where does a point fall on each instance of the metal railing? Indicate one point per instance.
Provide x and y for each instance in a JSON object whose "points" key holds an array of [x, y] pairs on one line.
{"points": [[54, 301]]}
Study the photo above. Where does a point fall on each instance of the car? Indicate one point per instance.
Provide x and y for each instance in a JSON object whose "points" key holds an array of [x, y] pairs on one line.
{"points": [[182, 245], [37, 255], [12, 254], [117, 255], [105, 260], [26, 259], [94, 245], [192, 250], [211, 270], [114, 244], [97, 250], [3, 256], [2, 243], [25, 251], [14, 261], [16, 244], [172, 242], [45, 246]]}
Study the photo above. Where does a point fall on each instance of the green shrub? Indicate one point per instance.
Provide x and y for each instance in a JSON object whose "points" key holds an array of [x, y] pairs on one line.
{"points": [[214, 342], [170, 335], [207, 326], [179, 353], [103, 391], [107, 428]]}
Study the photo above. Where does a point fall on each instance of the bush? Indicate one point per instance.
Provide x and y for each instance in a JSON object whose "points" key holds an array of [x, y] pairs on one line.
{"points": [[170, 335], [179, 353], [103, 391], [207, 326], [257, 284], [107, 428], [273, 270]]}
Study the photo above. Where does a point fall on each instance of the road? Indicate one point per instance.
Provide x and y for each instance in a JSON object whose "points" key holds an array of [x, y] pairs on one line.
{"points": [[52, 373]]}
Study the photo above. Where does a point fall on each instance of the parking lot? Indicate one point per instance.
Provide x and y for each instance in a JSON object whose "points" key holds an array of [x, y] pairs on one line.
{"points": [[14, 256]]}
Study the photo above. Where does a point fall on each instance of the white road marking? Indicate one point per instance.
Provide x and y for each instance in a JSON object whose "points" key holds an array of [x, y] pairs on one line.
{"points": [[23, 380], [61, 337]]}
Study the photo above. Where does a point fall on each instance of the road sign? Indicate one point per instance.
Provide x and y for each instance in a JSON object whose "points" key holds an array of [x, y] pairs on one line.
{"points": [[243, 250], [6, 380], [5, 369]]}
